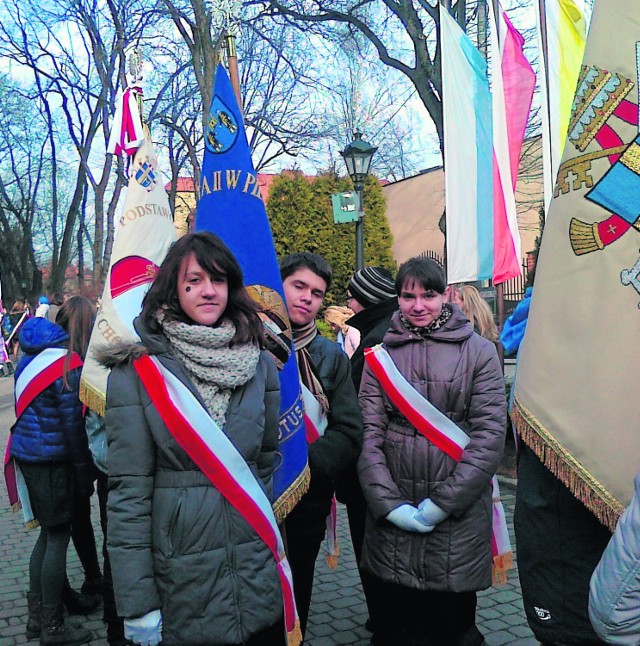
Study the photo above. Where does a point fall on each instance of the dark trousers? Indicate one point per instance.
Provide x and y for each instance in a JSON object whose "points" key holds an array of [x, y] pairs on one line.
{"points": [[115, 626], [356, 505], [302, 552], [84, 539], [404, 616]]}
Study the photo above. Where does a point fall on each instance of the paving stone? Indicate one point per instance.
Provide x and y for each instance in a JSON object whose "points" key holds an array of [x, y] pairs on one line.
{"points": [[499, 638]]}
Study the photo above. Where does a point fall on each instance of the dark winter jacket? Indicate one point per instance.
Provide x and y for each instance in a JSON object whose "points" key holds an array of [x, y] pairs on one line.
{"points": [[340, 444], [559, 545], [175, 543], [459, 373], [373, 323], [51, 429]]}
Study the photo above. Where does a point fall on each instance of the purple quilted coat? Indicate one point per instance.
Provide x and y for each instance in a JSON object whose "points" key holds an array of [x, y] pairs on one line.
{"points": [[458, 371]]}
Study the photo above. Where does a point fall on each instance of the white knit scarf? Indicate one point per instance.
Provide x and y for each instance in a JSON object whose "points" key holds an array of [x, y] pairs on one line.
{"points": [[214, 367]]}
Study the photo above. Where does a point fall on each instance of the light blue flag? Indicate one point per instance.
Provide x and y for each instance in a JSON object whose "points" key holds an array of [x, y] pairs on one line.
{"points": [[232, 207]]}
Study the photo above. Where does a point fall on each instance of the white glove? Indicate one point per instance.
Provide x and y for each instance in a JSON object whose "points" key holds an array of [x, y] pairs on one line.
{"points": [[429, 513], [145, 630], [404, 517]]}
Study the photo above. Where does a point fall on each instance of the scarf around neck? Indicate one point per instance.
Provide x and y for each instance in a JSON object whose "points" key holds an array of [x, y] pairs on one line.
{"points": [[215, 368], [302, 337], [436, 324]]}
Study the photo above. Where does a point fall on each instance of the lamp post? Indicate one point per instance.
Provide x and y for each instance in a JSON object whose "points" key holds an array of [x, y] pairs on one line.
{"points": [[357, 158]]}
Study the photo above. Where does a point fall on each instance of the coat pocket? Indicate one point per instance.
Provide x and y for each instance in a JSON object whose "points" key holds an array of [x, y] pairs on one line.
{"points": [[167, 525]]}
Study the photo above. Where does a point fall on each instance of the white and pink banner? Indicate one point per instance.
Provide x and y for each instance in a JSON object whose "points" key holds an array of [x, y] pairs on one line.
{"points": [[144, 234], [513, 82], [483, 134]]}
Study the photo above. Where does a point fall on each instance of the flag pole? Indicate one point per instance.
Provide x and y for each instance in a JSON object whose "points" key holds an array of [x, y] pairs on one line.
{"points": [[232, 61]]}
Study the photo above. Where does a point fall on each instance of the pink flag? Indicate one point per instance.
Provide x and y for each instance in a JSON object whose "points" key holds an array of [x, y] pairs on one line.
{"points": [[513, 84]]}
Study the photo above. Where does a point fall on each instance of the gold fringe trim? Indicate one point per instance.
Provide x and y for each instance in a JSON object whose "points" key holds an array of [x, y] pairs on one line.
{"points": [[290, 498], [587, 489], [294, 638], [92, 398], [32, 524], [16, 507], [502, 563], [332, 559], [584, 237]]}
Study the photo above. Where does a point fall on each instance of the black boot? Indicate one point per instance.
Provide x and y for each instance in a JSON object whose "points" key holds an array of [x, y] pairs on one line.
{"points": [[57, 630], [76, 603], [34, 602], [93, 586]]}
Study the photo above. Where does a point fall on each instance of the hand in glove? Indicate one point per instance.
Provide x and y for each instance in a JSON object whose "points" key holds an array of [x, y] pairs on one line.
{"points": [[429, 513], [404, 517], [145, 630]]}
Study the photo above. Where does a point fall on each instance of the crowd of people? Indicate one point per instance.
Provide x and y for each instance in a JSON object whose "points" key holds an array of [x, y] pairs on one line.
{"points": [[410, 406]]}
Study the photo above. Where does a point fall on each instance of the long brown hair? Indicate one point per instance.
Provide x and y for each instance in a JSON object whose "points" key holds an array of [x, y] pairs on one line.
{"points": [[477, 310], [213, 255], [75, 317]]}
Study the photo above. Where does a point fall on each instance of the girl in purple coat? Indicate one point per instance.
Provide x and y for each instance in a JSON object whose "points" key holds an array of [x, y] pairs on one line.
{"points": [[428, 534]]}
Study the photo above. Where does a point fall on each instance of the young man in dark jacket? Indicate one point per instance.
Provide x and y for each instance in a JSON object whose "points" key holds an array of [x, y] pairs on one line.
{"points": [[371, 294], [326, 374]]}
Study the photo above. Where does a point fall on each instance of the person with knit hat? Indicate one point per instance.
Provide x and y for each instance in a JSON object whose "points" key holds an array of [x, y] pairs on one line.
{"points": [[371, 294]]}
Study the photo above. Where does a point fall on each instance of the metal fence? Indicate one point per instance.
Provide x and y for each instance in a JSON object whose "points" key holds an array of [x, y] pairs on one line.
{"points": [[513, 290]]}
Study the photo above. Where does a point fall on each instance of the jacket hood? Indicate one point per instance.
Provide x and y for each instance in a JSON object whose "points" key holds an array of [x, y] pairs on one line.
{"points": [[120, 353], [455, 330], [37, 334], [124, 352]]}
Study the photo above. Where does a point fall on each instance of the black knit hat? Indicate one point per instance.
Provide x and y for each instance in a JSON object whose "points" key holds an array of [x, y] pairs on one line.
{"points": [[372, 285]]}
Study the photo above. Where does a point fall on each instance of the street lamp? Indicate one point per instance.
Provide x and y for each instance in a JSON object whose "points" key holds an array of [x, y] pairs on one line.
{"points": [[357, 158]]}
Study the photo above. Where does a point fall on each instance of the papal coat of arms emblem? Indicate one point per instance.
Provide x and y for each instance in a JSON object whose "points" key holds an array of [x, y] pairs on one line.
{"points": [[222, 129]]}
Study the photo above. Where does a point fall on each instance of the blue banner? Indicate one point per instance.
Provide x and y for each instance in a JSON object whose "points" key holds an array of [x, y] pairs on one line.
{"points": [[232, 207]]}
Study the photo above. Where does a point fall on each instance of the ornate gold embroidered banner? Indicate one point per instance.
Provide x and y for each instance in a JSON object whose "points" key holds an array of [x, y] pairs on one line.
{"points": [[576, 394]]}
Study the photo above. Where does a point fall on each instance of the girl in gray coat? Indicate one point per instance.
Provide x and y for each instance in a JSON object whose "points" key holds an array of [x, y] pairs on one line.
{"points": [[428, 533], [187, 567]]}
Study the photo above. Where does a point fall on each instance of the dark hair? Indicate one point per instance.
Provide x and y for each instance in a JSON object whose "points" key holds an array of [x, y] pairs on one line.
{"points": [[213, 255], [58, 299], [306, 260], [422, 270], [76, 318]]}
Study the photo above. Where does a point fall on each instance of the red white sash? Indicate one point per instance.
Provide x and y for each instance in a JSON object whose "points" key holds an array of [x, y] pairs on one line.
{"points": [[315, 421], [447, 436], [42, 371], [206, 444]]}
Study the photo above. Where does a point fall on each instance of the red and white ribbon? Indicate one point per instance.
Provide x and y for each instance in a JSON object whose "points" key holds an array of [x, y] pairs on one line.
{"points": [[127, 132], [315, 421], [212, 451], [40, 373], [446, 435]]}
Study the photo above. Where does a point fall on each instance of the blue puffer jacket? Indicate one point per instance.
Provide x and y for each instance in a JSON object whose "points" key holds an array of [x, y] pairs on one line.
{"points": [[51, 429]]}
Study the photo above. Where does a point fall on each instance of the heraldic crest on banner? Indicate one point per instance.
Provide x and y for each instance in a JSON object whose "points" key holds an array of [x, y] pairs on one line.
{"points": [[575, 371]]}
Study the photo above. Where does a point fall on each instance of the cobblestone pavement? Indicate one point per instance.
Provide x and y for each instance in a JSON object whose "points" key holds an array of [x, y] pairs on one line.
{"points": [[338, 611]]}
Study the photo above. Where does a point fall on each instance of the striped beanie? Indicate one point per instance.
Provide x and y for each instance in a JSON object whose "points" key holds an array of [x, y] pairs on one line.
{"points": [[372, 285]]}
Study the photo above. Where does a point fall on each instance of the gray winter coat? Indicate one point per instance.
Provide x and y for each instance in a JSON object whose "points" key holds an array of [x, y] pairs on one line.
{"points": [[174, 542], [614, 598], [459, 373]]}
